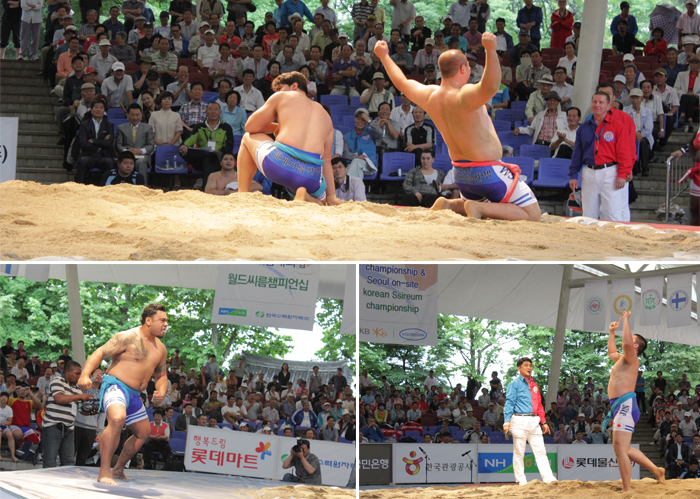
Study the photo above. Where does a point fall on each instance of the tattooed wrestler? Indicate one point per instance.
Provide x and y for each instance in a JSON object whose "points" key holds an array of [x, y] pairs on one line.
{"points": [[136, 355]]}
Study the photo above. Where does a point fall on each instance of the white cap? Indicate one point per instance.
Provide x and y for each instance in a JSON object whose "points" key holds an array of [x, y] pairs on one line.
{"points": [[690, 39], [343, 34], [620, 78], [581, 415], [117, 66], [104, 41], [209, 31], [628, 57], [691, 2]]}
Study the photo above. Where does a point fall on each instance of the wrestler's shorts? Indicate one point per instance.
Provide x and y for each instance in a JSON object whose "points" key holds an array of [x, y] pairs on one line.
{"points": [[12, 427], [291, 172], [625, 417], [135, 411], [491, 183]]}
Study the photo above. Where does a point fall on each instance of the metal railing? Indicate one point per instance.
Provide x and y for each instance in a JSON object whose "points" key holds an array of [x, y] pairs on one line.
{"points": [[676, 169]]}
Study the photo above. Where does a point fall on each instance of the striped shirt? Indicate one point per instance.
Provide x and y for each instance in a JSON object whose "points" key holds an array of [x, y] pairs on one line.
{"points": [[57, 413], [689, 25]]}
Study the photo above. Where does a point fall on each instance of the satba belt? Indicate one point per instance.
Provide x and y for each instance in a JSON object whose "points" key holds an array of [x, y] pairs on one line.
{"points": [[600, 167], [527, 415]]}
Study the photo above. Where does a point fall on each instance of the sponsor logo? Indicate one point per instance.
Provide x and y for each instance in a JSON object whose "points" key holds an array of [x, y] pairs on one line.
{"points": [[608, 136], [595, 305], [567, 462], [262, 449], [233, 311], [679, 300], [651, 299], [412, 464], [379, 332], [413, 334], [260, 314], [622, 304]]}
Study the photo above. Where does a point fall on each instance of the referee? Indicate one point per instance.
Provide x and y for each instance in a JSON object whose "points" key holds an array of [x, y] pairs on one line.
{"points": [[524, 417]]}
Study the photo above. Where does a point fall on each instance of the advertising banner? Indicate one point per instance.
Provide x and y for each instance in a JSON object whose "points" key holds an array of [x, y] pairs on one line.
{"points": [[398, 304], [266, 295], [622, 300], [650, 304], [215, 450], [496, 462], [595, 311], [434, 463], [590, 463], [336, 460], [8, 148], [678, 300], [348, 324], [375, 463]]}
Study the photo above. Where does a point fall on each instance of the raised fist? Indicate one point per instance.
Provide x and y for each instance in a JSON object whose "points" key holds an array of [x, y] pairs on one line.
{"points": [[488, 40], [382, 49]]}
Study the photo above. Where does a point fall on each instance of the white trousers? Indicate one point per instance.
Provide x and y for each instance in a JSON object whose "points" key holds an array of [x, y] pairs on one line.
{"points": [[599, 197], [526, 429]]}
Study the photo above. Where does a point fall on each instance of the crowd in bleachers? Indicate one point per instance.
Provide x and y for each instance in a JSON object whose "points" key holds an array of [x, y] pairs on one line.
{"points": [[209, 395], [207, 67], [475, 414]]}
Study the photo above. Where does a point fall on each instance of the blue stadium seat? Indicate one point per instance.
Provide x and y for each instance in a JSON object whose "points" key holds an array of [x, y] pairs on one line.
{"points": [[527, 167], [210, 97], [343, 440], [237, 143], [355, 102], [169, 153], [177, 446], [116, 123], [443, 162], [511, 115], [518, 105], [397, 101], [535, 151], [343, 129], [553, 172], [115, 113], [227, 425], [393, 161], [334, 100], [349, 121], [502, 126], [497, 437], [342, 110], [548, 440], [414, 434], [432, 430]]}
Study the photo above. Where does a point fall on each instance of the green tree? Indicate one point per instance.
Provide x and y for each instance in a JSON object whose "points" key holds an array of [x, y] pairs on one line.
{"points": [[336, 346]]}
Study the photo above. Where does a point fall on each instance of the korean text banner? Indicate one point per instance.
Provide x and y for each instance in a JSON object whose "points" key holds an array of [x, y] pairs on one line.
{"points": [[228, 452], [591, 462], [376, 463], [595, 313], [266, 295], [496, 462], [336, 460], [414, 463], [398, 304], [8, 148]]}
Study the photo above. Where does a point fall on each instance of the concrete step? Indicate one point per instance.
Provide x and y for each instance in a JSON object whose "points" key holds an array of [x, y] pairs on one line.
{"points": [[38, 139], [14, 106], [13, 64], [46, 116], [45, 175], [22, 93], [42, 150], [33, 160], [37, 126], [21, 72], [7, 81]]}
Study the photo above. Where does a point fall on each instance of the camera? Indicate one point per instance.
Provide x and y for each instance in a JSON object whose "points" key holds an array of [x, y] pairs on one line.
{"points": [[297, 447], [90, 406]]}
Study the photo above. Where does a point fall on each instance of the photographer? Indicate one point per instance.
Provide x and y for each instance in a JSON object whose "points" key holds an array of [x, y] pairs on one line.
{"points": [[88, 428], [59, 419], [306, 465]]}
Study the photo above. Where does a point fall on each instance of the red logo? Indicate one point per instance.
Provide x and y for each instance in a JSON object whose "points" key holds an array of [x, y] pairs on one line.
{"points": [[567, 462]]}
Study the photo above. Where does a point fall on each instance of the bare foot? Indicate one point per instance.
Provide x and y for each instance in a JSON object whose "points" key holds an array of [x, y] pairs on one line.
{"points": [[119, 475], [660, 475], [471, 209], [106, 479], [439, 204], [301, 194], [15, 459]]}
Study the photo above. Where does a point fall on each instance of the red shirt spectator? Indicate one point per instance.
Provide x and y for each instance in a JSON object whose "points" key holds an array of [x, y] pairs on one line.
{"points": [[561, 24]]}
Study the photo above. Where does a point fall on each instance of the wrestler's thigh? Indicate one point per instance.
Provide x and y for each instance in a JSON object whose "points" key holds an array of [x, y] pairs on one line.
{"points": [[116, 414], [252, 141], [142, 428]]}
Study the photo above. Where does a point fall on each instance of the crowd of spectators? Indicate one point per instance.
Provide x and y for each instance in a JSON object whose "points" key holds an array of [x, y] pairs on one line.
{"points": [[227, 399]]}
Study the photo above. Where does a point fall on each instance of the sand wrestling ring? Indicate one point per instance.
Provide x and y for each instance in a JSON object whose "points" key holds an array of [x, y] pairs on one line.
{"points": [[124, 222]]}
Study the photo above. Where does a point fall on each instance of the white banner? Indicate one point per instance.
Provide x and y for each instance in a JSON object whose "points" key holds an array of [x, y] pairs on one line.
{"points": [[398, 304], [228, 452], [8, 148], [650, 304], [678, 300], [591, 463], [336, 460], [595, 311], [266, 295], [622, 299], [439, 463], [348, 325], [496, 462]]}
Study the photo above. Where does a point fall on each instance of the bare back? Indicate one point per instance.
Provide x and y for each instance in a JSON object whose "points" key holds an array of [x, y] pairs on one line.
{"points": [[623, 377], [303, 124], [468, 132], [134, 359]]}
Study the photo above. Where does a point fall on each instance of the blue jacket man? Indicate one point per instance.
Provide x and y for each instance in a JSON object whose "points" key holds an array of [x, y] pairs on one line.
{"points": [[298, 417], [372, 432]]}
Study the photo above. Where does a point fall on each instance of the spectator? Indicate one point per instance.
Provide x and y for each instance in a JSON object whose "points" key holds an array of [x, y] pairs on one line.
{"points": [[564, 141], [344, 73], [289, 7], [212, 407], [530, 18], [427, 55], [137, 138], [536, 103], [419, 136], [561, 435], [372, 432], [20, 372], [474, 435], [178, 45], [144, 46], [362, 151], [388, 142], [490, 416], [586, 409], [305, 417], [403, 114], [687, 427], [347, 188], [656, 45], [562, 21], [692, 471], [678, 456], [460, 12], [689, 23], [579, 439], [188, 25], [580, 426], [404, 13], [456, 34], [422, 183], [543, 128], [624, 41], [689, 44], [211, 366], [124, 173], [565, 91], [96, 143], [34, 366], [532, 76], [31, 26], [186, 419], [251, 97], [569, 59], [473, 36], [59, 420], [644, 126], [630, 20]]}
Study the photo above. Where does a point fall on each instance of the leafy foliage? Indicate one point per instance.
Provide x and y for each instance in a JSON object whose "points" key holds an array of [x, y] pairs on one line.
{"points": [[38, 314]]}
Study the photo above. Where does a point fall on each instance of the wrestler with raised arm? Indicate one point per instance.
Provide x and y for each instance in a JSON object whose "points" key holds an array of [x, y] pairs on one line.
{"points": [[136, 355], [623, 401], [300, 157], [489, 188]]}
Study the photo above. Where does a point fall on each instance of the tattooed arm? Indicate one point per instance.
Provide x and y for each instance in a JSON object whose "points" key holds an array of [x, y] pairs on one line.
{"points": [[116, 345], [161, 378]]}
